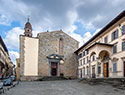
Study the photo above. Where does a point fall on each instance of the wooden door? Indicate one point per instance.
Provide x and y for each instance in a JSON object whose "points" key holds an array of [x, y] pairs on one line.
{"points": [[106, 73], [54, 69]]}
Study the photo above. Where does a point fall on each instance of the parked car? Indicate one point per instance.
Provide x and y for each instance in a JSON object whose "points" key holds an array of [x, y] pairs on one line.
{"points": [[1, 84], [7, 81], [13, 78]]}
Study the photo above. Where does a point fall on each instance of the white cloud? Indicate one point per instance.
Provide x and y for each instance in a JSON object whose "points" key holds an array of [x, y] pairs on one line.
{"points": [[4, 20], [12, 38], [97, 30], [81, 38], [86, 36], [13, 56], [57, 14]]}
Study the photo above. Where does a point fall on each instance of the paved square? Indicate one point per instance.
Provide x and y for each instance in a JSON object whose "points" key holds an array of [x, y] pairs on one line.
{"points": [[70, 87]]}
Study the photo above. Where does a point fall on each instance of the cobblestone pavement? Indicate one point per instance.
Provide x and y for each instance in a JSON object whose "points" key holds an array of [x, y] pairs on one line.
{"points": [[70, 87]]}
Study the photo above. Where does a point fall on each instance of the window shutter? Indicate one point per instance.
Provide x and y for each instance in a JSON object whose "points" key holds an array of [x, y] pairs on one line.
{"points": [[122, 46], [123, 29], [115, 48], [112, 36], [116, 35], [114, 67]]}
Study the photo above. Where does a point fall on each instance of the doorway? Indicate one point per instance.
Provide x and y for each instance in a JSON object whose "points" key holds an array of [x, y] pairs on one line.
{"points": [[124, 67], [93, 72], [54, 68], [106, 70]]}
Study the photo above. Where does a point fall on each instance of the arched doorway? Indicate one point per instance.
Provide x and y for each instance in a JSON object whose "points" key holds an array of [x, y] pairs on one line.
{"points": [[105, 57]]}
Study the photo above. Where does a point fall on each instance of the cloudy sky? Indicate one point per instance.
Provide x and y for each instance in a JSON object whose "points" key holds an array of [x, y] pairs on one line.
{"points": [[81, 19]]}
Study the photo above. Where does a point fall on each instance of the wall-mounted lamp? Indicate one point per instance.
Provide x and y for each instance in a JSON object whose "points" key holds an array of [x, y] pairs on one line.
{"points": [[61, 62]]}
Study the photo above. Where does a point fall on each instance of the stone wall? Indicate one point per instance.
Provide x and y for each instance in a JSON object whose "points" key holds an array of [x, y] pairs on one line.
{"points": [[49, 44], [22, 38]]}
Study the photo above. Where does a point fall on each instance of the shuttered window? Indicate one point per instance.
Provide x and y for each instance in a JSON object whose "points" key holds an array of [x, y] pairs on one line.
{"points": [[99, 69], [114, 35], [106, 39], [115, 48], [115, 67], [87, 59], [123, 29], [123, 46], [84, 53]]}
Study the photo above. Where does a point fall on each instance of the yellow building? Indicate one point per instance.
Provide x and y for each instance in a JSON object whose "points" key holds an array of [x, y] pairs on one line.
{"points": [[104, 54]]}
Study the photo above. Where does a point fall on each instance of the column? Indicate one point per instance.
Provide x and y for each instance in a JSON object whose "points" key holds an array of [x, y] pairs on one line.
{"points": [[58, 71], [97, 69], [49, 68], [103, 69]]}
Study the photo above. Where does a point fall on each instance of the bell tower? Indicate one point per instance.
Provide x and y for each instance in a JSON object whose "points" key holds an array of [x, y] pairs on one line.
{"points": [[28, 29]]}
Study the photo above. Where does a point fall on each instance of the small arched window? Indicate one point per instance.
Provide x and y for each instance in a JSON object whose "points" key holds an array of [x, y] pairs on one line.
{"points": [[60, 46]]}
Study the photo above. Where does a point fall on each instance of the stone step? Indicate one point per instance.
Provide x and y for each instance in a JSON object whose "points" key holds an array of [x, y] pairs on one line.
{"points": [[52, 78]]}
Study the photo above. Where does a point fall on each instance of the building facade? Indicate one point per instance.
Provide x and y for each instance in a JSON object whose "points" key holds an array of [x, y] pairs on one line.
{"points": [[103, 55], [6, 65], [17, 69], [48, 54]]}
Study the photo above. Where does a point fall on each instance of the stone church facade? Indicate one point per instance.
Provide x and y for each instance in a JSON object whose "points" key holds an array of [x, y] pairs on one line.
{"points": [[48, 54]]}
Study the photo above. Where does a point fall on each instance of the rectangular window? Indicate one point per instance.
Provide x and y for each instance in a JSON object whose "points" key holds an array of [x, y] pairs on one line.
{"points": [[93, 58], [84, 53], [87, 59], [80, 62], [84, 61], [123, 29], [87, 70], [87, 52], [80, 55], [99, 69], [114, 35], [106, 39], [115, 67], [123, 46], [115, 48], [61, 46]]}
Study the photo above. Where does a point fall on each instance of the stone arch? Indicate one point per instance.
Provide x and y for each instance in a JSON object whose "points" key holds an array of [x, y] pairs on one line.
{"points": [[103, 55], [92, 53], [90, 57]]}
